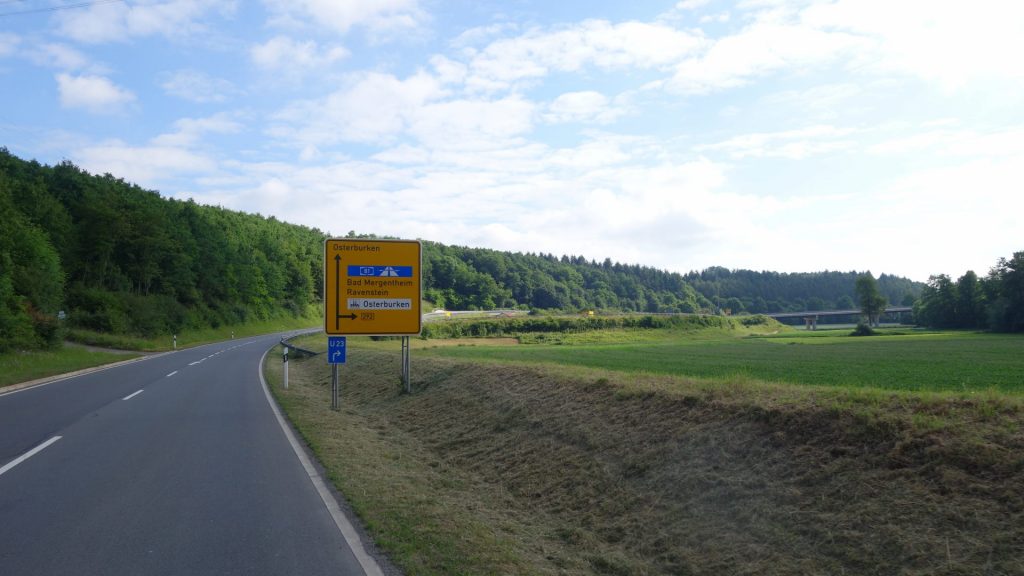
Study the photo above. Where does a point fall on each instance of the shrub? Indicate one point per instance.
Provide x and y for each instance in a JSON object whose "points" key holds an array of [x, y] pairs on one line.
{"points": [[863, 329]]}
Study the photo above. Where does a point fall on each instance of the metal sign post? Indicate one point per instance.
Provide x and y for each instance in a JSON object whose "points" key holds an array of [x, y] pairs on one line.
{"points": [[336, 351], [335, 392], [405, 365]]}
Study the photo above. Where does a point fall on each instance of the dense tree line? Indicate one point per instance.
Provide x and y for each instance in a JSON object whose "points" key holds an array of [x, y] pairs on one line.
{"points": [[472, 278], [995, 302], [121, 259], [767, 292]]}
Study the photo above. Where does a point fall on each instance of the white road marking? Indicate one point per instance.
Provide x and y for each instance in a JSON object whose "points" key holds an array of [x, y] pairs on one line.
{"points": [[132, 395], [28, 454], [194, 363], [171, 374], [368, 563]]}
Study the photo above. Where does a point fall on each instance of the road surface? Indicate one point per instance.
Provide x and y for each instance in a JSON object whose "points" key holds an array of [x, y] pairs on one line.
{"points": [[176, 464]]}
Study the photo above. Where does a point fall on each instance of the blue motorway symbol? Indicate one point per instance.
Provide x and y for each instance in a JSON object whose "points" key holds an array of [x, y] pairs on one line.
{"points": [[335, 349], [386, 271]]}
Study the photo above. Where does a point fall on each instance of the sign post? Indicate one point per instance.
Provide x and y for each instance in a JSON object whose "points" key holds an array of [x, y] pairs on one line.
{"points": [[372, 288], [336, 346]]}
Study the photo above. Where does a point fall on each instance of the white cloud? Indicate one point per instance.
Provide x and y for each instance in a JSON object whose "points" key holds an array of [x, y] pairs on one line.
{"points": [[949, 43], [585, 106], [380, 17], [189, 131], [448, 71], [197, 86], [762, 48], [148, 166], [93, 93], [8, 43], [117, 22], [283, 53], [692, 4], [60, 56], [792, 144], [471, 124], [372, 108], [599, 43], [958, 142]]}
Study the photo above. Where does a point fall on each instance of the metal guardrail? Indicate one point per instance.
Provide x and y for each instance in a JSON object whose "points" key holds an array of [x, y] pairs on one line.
{"points": [[299, 352]]}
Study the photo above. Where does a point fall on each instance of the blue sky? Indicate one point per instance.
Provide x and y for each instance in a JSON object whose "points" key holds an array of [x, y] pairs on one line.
{"points": [[789, 135]]}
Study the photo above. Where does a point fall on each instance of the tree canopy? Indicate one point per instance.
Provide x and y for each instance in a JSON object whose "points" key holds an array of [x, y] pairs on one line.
{"points": [[872, 303], [995, 302]]}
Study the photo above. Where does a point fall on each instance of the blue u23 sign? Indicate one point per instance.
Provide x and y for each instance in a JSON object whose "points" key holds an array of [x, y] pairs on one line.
{"points": [[336, 349]]}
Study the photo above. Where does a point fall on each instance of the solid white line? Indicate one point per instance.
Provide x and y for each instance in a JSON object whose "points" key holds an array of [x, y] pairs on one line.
{"points": [[28, 454], [370, 567], [132, 395], [171, 374]]}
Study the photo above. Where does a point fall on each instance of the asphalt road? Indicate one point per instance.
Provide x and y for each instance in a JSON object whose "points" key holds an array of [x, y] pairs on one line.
{"points": [[172, 465]]}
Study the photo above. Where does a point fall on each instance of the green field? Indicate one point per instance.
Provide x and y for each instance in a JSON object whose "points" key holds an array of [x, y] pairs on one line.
{"points": [[584, 455], [926, 361]]}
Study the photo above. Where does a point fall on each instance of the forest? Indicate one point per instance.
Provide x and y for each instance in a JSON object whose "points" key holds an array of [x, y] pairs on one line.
{"points": [[120, 259], [113, 257], [995, 302]]}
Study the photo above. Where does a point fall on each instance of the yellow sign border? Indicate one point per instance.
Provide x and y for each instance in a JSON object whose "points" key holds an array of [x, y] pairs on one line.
{"points": [[410, 323]]}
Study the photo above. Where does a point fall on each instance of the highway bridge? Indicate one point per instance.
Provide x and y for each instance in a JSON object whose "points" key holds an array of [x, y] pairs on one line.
{"points": [[811, 317]]}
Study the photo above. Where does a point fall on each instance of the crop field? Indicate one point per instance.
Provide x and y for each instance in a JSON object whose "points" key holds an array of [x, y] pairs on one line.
{"points": [[909, 361]]}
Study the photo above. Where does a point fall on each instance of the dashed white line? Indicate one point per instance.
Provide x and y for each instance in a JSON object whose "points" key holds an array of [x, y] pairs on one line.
{"points": [[171, 374], [28, 454], [194, 363], [132, 395]]}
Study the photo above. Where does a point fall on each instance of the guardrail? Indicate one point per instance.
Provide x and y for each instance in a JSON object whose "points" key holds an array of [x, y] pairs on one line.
{"points": [[292, 348]]}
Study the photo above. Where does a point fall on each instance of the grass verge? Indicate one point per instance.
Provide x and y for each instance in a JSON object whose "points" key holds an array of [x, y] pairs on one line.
{"points": [[22, 366], [18, 367], [516, 468], [192, 337]]}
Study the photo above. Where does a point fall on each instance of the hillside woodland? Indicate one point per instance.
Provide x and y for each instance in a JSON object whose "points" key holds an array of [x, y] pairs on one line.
{"points": [[120, 259]]}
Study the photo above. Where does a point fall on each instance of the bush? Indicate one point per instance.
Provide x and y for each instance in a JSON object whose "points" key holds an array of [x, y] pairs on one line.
{"points": [[863, 329]]}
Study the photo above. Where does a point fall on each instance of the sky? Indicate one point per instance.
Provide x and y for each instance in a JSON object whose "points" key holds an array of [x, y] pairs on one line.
{"points": [[786, 135]]}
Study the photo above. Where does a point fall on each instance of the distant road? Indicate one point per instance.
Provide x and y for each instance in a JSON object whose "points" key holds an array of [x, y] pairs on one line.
{"points": [[172, 465]]}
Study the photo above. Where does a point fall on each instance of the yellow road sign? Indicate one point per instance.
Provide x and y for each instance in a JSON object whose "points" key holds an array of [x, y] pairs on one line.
{"points": [[372, 287]]}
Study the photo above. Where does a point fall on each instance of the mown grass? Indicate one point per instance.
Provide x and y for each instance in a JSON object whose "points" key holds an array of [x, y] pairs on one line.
{"points": [[516, 468], [18, 367], [951, 361]]}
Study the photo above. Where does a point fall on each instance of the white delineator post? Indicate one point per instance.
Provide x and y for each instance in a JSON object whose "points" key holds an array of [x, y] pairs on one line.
{"points": [[285, 367]]}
